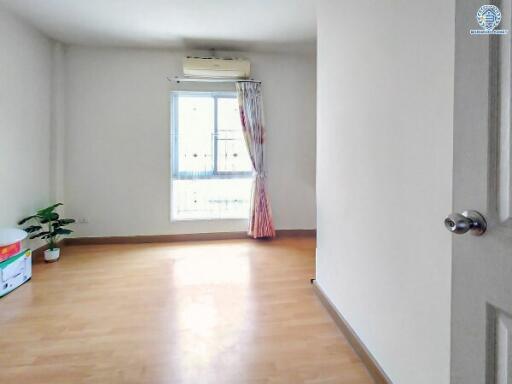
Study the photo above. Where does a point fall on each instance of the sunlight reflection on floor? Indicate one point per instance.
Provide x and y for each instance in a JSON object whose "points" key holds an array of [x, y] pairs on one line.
{"points": [[213, 311]]}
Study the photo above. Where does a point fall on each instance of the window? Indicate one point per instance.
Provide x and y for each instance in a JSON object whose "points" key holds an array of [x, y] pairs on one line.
{"points": [[211, 168]]}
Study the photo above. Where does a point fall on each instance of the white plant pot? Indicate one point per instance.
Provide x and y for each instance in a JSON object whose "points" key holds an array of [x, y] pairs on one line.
{"points": [[51, 255]]}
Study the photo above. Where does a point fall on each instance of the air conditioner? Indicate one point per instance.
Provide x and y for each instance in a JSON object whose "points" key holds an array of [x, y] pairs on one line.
{"points": [[216, 67]]}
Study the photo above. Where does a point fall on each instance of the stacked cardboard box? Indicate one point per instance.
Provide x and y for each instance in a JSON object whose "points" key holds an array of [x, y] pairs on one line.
{"points": [[15, 263], [15, 271]]}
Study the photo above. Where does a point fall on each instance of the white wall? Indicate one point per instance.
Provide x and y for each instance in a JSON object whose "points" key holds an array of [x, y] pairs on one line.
{"points": [[117, 140], [25, 112], [384, 169]]}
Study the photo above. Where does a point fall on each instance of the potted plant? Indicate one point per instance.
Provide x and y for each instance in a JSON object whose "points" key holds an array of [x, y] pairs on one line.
{"points": [[47, 225]]}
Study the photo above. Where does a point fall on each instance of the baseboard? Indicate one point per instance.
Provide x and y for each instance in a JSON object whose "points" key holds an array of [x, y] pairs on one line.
{"points": [[369, 361], [296, 233], [156, 238], [184, 237]]}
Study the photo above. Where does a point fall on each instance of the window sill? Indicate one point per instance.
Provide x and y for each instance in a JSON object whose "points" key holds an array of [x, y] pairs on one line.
{"points": [[209, 219]]}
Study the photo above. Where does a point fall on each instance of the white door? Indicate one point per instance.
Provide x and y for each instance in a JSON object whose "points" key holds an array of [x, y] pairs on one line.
{"points": [[482, 265]]}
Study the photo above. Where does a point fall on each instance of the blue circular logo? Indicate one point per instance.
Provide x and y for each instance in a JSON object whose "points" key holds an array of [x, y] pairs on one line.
{"points": [[488, 17]]}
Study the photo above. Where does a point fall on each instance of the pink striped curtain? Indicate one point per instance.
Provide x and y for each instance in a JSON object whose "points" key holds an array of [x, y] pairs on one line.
{"points": [[261, 224]]}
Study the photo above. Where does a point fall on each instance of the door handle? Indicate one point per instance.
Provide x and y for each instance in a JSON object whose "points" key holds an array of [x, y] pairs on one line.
{"points": [[460, 223]]}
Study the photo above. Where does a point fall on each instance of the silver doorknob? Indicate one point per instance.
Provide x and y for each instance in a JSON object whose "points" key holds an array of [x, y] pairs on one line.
{"points": [[471, 221]]}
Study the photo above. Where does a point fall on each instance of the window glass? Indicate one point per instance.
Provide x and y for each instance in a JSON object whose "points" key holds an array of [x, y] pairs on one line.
{"points": [[195, 131], [232, 154]]}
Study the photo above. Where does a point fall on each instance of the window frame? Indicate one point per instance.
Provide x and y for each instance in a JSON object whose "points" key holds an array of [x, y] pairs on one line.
{"points": [[215, 173]]}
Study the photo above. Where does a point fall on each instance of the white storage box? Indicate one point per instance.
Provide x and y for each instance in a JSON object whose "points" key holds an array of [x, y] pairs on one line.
{"points": [[15, 271]]}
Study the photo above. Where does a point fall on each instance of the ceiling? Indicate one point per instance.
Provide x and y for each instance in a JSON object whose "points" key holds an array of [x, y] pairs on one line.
{"points": [[262, 25]]}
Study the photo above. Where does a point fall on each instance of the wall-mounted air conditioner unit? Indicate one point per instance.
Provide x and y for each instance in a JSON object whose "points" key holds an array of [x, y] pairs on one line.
{"points": [[216, 67]]}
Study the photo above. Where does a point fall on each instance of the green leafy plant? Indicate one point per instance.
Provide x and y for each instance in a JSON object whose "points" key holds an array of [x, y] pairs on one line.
{"points": [[47, 225]]}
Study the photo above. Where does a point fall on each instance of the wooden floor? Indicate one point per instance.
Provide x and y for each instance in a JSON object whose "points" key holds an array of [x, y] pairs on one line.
{"points": [[223, 312]]}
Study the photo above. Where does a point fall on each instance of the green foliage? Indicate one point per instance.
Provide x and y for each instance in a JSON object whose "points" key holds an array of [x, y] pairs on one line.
{"points": [[47, 225]]}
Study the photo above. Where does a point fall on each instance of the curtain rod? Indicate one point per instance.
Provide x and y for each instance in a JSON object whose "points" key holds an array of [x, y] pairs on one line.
{"points": [[210, 80]]}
